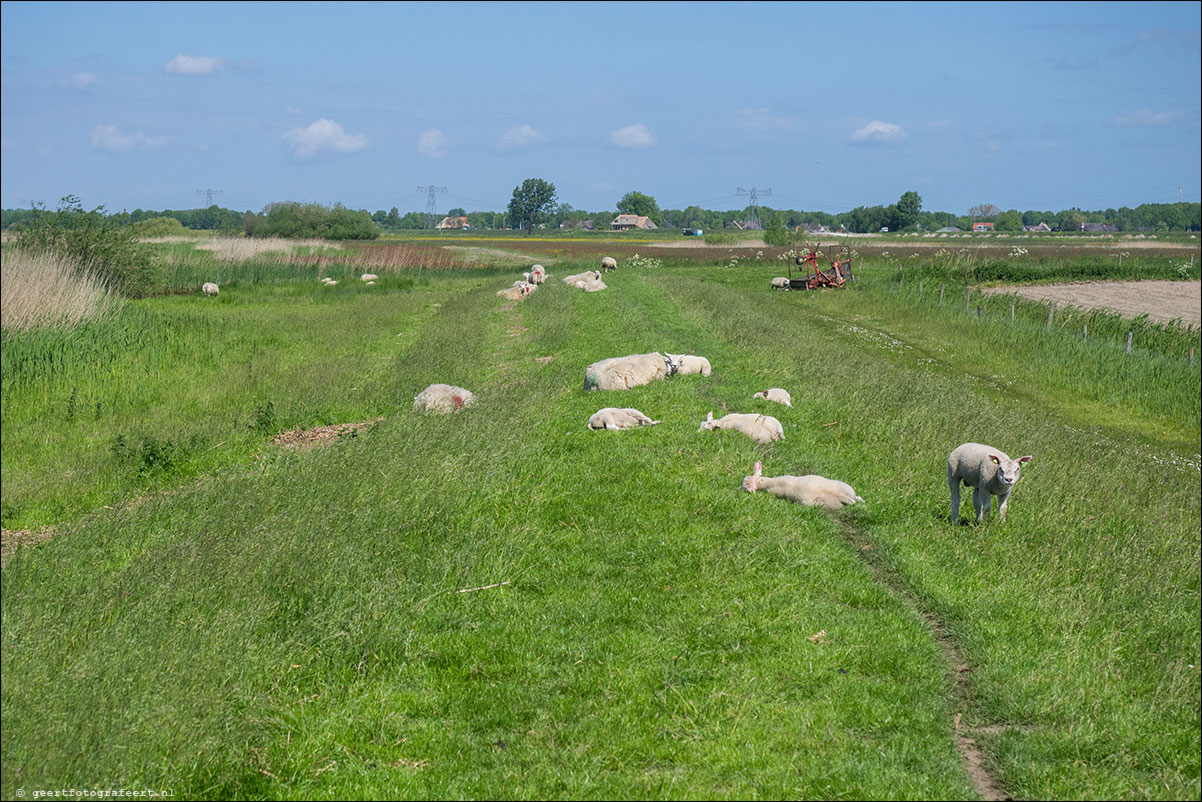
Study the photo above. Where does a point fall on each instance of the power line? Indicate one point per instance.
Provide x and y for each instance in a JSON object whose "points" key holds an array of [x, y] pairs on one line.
{"points": [[754, 193], [431, 204], [208, 194]]}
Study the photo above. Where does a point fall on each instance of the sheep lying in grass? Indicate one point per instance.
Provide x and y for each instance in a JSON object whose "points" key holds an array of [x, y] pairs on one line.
{"points": [[988, 472], [816, 491], [776, 394], [761, 428], [780, 283], [210, 289], [366, 277], [329, 282], [687, 364], [615, 418], [515, 293], [443, 399], [587, 275], [591, 286], [537, 274], [609, 263], [624, 372], [529, 285]]}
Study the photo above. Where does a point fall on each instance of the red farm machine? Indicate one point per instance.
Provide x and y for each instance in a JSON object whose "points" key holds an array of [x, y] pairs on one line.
{"points": [[810, 276]]}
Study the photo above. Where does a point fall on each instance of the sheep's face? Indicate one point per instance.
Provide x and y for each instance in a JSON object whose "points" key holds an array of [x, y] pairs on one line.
{"points": [[672, 361], [752, 483], [707, 424], [1008, 469]]}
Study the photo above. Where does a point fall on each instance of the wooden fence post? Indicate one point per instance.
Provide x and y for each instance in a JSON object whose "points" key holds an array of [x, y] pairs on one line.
{"points": [[920, 288], [1012, 311], [1130, 336], [1085, 333], [941, 286], [1051, 311], [967, 298]]}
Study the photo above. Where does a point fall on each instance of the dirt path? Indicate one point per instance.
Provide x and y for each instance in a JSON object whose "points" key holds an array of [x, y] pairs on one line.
{"points": [[958, 670], [1159, 300]]}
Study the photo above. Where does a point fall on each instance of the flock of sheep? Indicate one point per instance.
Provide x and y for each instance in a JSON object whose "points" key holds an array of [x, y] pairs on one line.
{"points": [[988, 471]]}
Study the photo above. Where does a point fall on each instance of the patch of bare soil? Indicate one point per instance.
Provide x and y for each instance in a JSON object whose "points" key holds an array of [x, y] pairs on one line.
{"points": [[302, 439], [1159, 300]]}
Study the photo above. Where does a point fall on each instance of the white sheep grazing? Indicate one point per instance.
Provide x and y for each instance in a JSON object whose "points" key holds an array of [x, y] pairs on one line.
{"points": [[587, 275], [443, 399], [988, 472], [761, 428], [515, 293], [776, 394], [615, 418], [624, 372], [687, 363], [592, 286], [780, 283], [209, 288], [609, 263], [816, 491], [366, 277]]}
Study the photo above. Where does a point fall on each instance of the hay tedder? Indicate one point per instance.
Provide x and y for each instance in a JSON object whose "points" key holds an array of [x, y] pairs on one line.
{"points": [[810, 276]]}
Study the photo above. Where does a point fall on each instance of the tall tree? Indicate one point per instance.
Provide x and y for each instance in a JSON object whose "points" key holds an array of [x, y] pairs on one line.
{"points": [[909, 207], [983, 210], [532, 201], [640, 204]]}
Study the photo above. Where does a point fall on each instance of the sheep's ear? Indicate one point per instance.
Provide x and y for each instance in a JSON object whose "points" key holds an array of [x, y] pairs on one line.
{"points": [[710, 417], [759, 469], [1022, 460], [994, 459]]}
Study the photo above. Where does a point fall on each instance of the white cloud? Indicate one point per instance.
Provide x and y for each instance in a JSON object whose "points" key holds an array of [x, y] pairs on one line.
{"points": [[520, 137], [433, 144], [194, 65], [109, 137], [1149, 117], [877, 132], [80, 80], [632, 136], [323, 136]]}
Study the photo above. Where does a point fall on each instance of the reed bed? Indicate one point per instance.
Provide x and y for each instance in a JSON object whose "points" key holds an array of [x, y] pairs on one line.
{"points": [[46, 290]]}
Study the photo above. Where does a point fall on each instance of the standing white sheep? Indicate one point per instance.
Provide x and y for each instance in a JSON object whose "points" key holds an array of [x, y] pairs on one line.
{"points": [[624, 372], [814, 490], [761, 428], [209, 288], [780, 283], [988, 472], [776, 394], [609, 263], [687, 363], [615, 418], [443, 399]]}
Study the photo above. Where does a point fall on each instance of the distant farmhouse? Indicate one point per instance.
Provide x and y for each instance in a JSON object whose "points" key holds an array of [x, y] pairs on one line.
{"points": [[982, 226], [625, 222], [1097, 228], [453, 223], [1040, 227]]}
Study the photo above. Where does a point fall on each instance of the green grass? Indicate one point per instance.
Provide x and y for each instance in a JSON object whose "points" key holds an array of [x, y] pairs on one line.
{"points": [[289, 626]]}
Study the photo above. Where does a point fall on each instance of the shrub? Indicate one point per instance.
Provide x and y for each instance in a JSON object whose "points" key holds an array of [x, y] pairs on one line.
{"points": [[160, 227], [94, 240], [311, 221]]}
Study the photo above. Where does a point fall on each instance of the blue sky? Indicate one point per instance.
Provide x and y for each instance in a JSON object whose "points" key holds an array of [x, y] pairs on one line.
{"points": [[831, 105]]}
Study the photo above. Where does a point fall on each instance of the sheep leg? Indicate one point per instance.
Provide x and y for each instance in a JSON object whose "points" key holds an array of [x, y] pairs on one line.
{"points": [[953, 484], [980, 504], [1002, 501]]}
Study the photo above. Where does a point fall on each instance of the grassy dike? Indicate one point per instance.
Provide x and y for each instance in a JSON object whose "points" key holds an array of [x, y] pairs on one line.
{"points": [[290, 626]]}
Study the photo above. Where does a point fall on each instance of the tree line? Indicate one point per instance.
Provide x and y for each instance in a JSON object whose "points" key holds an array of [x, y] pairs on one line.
{"points": [[535, 204]]}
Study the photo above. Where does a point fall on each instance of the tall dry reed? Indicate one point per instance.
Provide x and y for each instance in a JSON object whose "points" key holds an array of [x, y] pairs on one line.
{"points": [[40, 290]]}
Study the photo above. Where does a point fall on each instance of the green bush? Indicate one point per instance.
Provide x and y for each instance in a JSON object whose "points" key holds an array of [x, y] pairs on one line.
{"points": [[312, 221], [99, 243], [160, 227]]}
